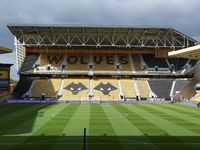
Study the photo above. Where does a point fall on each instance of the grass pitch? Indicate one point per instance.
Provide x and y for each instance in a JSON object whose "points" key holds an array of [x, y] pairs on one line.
{"points": [[108, 126]]}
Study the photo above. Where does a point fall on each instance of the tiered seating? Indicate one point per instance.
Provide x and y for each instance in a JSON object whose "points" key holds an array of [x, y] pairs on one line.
{"points": [[179, 63], [161, 87], [137, 64], [105, 88], [77, 63], [50, 88], [75, 87], [151, 61], [125, 63], [54, 60], [144, 90], [22, 87], [128, 87], [193, 62], [104, 63], [180, 85], [29, 60]]}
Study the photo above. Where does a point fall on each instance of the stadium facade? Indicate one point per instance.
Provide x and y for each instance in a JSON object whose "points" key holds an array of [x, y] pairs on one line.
{"points": [[5, 87], [86, 62]]}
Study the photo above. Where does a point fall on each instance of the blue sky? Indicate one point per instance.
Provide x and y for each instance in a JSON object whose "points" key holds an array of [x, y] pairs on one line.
{"points": [[181, 15]]}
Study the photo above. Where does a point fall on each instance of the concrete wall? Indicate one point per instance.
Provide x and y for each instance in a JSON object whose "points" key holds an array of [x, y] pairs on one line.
{"points": [[190, 90]]}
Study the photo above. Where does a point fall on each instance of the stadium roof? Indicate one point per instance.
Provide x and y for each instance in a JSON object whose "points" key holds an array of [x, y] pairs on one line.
{"points": [[190, 53], [34, 35], [5, 50]]}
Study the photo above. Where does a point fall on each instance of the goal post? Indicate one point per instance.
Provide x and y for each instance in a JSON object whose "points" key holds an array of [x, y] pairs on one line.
{"points": [[90, 100]]}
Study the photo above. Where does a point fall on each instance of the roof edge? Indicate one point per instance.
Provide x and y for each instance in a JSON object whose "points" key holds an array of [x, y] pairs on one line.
{"points": [[89, 25]]}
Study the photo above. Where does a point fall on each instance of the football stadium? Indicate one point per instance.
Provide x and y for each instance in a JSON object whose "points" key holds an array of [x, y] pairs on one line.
{"points": [[102, 87]]}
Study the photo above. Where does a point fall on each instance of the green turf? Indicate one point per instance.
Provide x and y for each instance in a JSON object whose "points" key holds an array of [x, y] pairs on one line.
{"points": [[108, 126]]}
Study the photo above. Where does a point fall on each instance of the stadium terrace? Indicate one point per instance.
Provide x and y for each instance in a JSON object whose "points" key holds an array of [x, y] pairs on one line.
{"points": [[102, 63]]}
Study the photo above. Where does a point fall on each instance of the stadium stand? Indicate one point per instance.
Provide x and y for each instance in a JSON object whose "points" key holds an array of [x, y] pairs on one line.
{"points": [[74, 88], [106, 88], [191, 66], [125, 64], [152, 61], [77, 63], [128, 87], [137, 63], [178, 63], [144, 90], [104, 63], [21, 88], [50, 87], [54, 60], [29, 61], [193, 62], [101, 62], [180, 85], [161, 87]]}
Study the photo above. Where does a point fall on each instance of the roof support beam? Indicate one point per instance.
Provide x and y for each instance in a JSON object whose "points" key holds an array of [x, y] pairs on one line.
{"points": [[25, 35]]}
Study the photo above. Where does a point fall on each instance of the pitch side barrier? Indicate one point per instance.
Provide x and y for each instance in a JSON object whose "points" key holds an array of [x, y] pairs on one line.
{"points": [[79, 101]]}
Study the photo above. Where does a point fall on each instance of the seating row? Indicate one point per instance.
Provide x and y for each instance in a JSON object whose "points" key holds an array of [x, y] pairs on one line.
{"points": [[102, 63], [103, 88]]}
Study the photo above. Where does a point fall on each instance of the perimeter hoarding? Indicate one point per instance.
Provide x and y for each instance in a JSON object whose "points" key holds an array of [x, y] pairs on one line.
{"points": [[4, 77]]}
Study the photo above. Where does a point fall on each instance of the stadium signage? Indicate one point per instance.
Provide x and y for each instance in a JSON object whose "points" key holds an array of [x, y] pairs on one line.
{"points": [[4, 77], [4, 82], [97, 59], [3, 74]]}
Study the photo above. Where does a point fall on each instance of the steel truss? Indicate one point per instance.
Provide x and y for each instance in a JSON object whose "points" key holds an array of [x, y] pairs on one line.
{"points": [[99, 41]]}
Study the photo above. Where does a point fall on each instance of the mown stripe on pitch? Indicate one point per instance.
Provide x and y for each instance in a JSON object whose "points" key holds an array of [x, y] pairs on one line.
{"points": [[141, 124], [101, 130], [124, 129], [11, 108], [51, 130], [74, 130], [157, 115], [119, 122], [153, 127], [30, 113], [177, 130], [191, 116], [43, 116], [185, 121], [79, 121], [20, 111], [189, 110]]}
